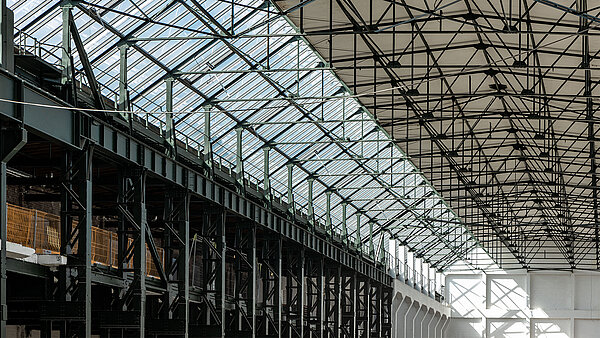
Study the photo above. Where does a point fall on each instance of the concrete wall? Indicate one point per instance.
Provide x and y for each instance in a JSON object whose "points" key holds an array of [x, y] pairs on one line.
{"points": [[541, 304], [415, 314]]}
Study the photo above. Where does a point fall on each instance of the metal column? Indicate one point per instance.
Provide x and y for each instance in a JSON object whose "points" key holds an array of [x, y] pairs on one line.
{"points": [[170, 134], [132, 242], [270, 256], [363, 307], [294, 293], [74, 309], [314, 297], [175, 306], [211, 316], [348, 297], [245, 269], [332, 294], [11, 141]]}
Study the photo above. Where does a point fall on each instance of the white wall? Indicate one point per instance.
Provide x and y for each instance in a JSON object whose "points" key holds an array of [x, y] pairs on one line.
{"points": [[416, 315], [524, 305]]}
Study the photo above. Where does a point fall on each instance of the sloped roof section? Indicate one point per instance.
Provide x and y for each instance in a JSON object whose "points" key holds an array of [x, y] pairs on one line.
{"points": [[261, 78], [495, 101]]}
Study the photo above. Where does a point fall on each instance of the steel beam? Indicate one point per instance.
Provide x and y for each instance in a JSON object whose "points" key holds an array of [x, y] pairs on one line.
{"points": [[85, 63], [128, 150]]}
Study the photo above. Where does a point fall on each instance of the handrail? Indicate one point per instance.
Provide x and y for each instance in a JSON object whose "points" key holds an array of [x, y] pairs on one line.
{"points": [[40, 231]]}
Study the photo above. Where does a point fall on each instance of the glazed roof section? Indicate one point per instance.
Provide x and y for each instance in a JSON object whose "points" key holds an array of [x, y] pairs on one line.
{"points": [[255, 71]]}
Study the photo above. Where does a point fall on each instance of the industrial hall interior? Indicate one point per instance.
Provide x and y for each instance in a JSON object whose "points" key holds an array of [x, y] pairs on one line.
{"points": [[299, 168]]}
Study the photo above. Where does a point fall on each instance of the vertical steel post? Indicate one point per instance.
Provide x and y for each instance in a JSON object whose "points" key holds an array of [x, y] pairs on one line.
{"points": [[397, 257], [311, 212], [169, 121], [371, 245], [3, 36], [278, 294], [66, 71], [302, 289], [6, 37], [321, 288], [3, 234], [357, 239], [266, 179], [338, 308], [208, 155], [239, 163], [344, 221], [84, 249], [328, 226], [355, 307], [253, 282], [382, 249], [221, 279], [123, 104], [139, 256], [183, 268], [290, 186], [10, 144]]}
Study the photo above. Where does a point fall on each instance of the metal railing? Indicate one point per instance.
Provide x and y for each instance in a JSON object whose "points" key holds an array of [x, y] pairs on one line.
{"points": [[40, 231], [419, 281]]}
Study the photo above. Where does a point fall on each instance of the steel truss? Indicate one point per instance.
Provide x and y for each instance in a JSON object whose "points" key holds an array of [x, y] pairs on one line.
{"points": [[276, 90]]}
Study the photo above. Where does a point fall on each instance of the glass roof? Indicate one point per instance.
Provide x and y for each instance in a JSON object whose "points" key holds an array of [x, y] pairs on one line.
{"points": [[254, 70]]}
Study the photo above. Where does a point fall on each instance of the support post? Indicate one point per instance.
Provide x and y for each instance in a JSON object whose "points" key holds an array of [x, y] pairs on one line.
{"points": [[295, 292], [311, 212], [75, 286], [169, 121], [132, 236], [371, 244], [139, 255], [244, 319], [290, 186], [208, 153], [211, 317], [176, 242], [357, 239], [239, 162], [344, 221], [183, 267], [4, 35], [271, 278], [123, 104], [328, 226], [66, 79], [11, 141], [266, 178]]}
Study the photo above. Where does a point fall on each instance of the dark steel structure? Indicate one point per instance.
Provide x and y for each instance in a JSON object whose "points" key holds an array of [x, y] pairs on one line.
{"points": [[114, 173], [254, 159], [493, 100], [200, 250]]}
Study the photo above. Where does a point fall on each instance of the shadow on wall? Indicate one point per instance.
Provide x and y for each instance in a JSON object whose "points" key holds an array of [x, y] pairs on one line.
{"points": [[523, 305]]}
